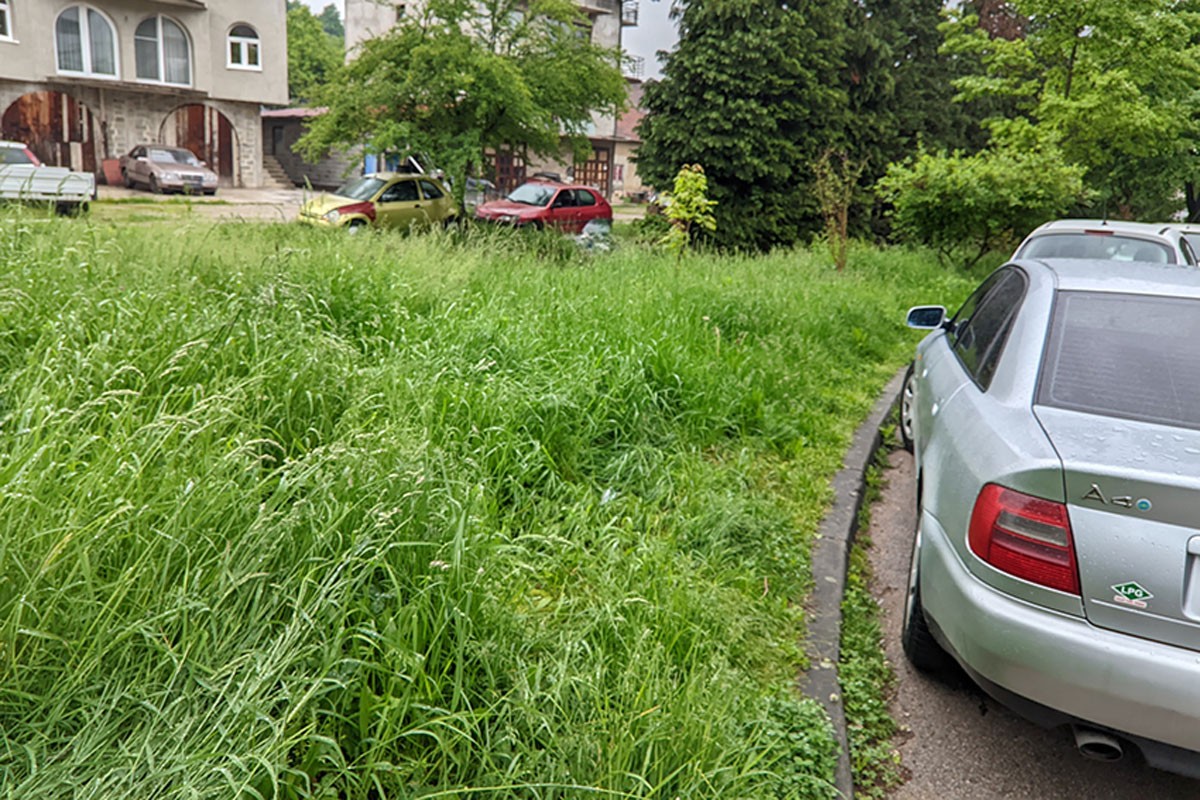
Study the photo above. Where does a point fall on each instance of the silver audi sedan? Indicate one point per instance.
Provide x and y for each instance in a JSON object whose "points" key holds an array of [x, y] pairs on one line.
{"points": [[1055, 423]]}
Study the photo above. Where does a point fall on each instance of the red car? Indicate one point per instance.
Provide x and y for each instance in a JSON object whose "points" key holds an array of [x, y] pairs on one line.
{"points": [[542, 204]]}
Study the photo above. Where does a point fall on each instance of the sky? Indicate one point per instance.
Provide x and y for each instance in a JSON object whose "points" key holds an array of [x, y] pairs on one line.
{"points": [[654, 30]]}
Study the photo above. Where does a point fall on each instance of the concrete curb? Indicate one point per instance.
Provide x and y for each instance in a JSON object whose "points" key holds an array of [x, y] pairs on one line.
{"points": [[830, 559]]}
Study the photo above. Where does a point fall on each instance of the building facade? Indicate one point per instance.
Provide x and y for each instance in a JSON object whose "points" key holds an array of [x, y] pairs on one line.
{"points": [[83, 83]]}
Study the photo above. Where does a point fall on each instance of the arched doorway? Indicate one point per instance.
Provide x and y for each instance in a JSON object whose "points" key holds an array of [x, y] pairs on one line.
{"points": [[209, 134], [60, 130]]}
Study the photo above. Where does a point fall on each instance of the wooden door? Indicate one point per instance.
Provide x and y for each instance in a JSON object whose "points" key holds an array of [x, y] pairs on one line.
{"points": [[60, 130], [209, 135]]}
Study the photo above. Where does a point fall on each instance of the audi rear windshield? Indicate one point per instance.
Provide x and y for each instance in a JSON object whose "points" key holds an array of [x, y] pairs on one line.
{"points": [[1123, 355]]}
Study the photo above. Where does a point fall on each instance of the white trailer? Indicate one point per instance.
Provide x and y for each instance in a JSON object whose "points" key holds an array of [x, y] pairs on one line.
{"points": [[24, 179]]}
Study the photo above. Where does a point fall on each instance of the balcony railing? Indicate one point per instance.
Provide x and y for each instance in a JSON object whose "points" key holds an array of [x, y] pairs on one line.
{"points": [[629, 13]]}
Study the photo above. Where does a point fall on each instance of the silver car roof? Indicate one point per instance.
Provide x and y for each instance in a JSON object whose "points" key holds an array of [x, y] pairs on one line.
{"points": [[1115, 225], [1129, 277]]}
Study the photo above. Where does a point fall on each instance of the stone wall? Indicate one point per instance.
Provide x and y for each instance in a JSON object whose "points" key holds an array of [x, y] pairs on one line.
{"points": [[328, 173], [125, 118]]}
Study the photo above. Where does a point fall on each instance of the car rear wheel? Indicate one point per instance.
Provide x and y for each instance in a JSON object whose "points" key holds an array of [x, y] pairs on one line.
{"points": [[907, 408], [128, 181], [921, 649]]}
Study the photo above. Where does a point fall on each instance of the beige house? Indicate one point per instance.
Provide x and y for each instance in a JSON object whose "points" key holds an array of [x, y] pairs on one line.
{"points": [[84, 82], [606, 170]]}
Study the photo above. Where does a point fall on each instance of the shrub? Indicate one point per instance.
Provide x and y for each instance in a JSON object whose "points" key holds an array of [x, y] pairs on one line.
{"points": [[979, 203]]}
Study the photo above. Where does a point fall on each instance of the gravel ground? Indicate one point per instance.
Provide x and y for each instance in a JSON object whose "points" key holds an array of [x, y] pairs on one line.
{"points": [[955, 742]]}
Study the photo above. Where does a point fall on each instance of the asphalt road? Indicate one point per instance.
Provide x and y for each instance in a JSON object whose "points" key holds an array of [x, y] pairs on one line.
{"points": [[956, 742]]}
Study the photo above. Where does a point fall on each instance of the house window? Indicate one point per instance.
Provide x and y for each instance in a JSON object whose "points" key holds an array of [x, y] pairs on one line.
{"points": [[162, 52], [243, 48], [5, 20], [85, 42]]}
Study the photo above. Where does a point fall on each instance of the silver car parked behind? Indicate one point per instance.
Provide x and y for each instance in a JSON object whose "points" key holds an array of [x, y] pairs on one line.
{"points": [[1056, 429], [167, 169]]}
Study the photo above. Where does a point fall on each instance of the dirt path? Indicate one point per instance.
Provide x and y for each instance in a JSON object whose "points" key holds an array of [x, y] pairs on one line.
{"points": [[955, 741]]}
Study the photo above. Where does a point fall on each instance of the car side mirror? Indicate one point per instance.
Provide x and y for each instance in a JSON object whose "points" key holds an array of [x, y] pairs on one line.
{"points": [[141, 159], [926, 318]]}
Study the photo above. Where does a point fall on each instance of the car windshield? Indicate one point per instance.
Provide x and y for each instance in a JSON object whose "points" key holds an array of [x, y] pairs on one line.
{"points": [[172, 156], [15, 155], [1100, 245], [1121, 355], [532, 194], [360, 188]]}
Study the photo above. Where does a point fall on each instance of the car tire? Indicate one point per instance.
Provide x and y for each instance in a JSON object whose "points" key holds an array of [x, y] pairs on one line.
{"points": [[920, 648], [125, 179], [153, 185], [355, 227], [907, 407]]}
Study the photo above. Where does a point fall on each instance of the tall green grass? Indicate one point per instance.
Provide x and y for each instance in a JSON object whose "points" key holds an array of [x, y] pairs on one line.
{"points": [[289, 514]]}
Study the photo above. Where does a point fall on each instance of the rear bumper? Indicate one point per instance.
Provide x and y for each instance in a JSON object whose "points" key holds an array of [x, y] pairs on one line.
{"points": [[1058, 669]]}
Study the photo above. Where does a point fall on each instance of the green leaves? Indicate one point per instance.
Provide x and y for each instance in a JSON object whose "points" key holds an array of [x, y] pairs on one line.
{"points": [[690, 210], [753, 93], [1114, 84], [980, 202], [462, 78], [314, 55]]}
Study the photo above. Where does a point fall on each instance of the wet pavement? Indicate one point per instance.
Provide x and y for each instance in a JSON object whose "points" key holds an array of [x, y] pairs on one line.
{"points": [[955, 741]]}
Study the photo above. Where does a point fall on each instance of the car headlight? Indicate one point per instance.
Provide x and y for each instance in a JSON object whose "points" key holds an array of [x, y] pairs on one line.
{"points": [[508, 218], [333, 216], [170, 176]]}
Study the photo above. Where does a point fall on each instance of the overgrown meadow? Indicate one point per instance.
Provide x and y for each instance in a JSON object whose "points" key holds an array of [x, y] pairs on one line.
{"points": [[285, 513]]}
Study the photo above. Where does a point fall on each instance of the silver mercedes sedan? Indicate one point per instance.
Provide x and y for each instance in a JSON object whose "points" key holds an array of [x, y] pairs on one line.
{"points": [[1055, 422]]}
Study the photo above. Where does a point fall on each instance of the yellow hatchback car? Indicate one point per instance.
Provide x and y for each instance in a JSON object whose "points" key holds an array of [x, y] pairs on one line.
{"points": [[383, 200]]}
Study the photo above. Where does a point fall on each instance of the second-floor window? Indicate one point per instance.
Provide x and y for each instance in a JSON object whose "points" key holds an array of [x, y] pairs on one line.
{"points": [[85, 42], [5, 20], [162, 52], [243, 48]]}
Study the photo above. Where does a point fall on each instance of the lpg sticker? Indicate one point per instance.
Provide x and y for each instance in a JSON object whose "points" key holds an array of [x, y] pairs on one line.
{"points": [[1131, 594]]}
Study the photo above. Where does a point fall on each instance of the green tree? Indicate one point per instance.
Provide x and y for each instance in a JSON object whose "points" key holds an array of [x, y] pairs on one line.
{"points": [[836, 177], [899, 90], [754, 92], [690, 210], [314, 56], [331, 22], [975, 204], [1114, 83], [464, 77]]}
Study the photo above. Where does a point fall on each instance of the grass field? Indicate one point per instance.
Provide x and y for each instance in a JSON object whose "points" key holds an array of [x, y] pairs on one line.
{"points": [[290, 514]]}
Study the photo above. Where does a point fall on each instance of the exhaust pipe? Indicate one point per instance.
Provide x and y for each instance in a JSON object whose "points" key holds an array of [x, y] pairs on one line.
{"points": [[1097, 745]]}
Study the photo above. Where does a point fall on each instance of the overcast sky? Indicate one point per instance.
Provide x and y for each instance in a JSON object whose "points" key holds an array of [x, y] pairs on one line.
{"points": [[654, 30]]}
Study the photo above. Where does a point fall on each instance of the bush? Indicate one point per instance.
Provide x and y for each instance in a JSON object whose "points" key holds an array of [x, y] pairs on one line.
{"points": [[976, 204]]}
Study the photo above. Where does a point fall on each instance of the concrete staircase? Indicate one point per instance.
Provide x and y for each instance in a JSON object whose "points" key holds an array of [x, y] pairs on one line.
{"points": [[274, 175]]}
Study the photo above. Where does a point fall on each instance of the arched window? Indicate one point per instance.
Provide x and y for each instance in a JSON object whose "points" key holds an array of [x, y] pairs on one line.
{"points": [[243, 48], [85, 43], [6, 31], [162, 52]]}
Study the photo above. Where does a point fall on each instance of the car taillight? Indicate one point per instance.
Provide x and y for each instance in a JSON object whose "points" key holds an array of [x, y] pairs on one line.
{"points": [[1025, 536]]}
